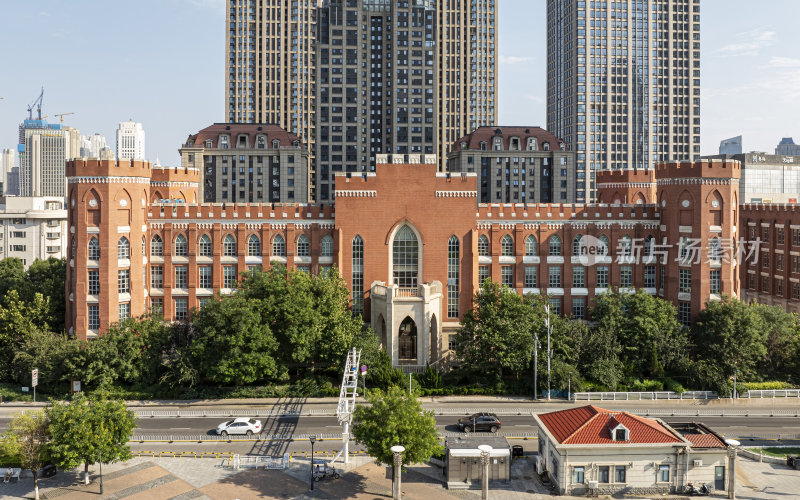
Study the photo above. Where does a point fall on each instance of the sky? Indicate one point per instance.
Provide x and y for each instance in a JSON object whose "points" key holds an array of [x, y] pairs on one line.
{"points": [[162, 63]]}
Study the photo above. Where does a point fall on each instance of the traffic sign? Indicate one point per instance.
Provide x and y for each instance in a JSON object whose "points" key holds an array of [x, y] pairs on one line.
{"points": [[363, 370], [35, 377]]}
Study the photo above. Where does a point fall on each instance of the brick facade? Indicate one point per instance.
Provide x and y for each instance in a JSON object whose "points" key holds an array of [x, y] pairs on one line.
{"points": [[454, 240]]}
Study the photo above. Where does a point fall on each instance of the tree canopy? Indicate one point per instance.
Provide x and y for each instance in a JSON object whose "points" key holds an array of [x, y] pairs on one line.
{"points": [[395, 417]]}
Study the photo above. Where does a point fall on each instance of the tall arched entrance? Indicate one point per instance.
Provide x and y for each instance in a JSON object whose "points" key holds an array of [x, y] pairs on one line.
{"points": [[407, 341]]}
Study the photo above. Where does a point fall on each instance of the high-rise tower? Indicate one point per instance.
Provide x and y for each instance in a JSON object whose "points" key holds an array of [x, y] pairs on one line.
{"points": [[130, 141], [42, 151], [623, 82], [273, 52]]}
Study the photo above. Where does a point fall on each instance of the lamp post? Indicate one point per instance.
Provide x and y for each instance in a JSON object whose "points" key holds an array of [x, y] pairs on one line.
{"points": [[732, 445], [313, 440], [100, 456], [549, 352], [485, 451], [397, 456]]}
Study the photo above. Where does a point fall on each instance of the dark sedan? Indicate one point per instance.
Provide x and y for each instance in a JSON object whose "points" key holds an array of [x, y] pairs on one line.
{"points": [[480, 422]]}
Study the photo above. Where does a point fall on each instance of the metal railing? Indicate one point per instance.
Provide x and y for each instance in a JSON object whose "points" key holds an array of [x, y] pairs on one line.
{"points": [[642, 396], [773, 393]]}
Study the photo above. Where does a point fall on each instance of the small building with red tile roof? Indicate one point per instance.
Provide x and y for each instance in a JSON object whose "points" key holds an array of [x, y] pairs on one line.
{"points": [[593, 450]]}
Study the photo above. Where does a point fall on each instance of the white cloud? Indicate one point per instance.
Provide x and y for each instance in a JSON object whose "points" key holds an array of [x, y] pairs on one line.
{"points": [[511, 60], [749, 43], [782, 63]]}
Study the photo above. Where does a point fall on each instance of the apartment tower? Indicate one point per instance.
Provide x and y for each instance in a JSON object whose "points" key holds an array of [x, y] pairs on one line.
{"points": [[623, 82], [270, 60], [42, 151], [437, 77]]}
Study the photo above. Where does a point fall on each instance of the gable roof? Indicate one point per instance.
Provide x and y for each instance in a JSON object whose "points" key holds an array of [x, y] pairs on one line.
{"points": [[591, 425]]}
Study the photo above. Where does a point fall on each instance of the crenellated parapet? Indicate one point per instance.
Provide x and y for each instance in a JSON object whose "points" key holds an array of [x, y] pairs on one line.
{"points": [[706, 169], [95, 168]]}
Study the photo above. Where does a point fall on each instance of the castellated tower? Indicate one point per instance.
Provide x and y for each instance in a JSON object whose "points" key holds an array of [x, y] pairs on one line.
{"points": [[108, 202], [699, 207], [632, 187], [177, 184]]}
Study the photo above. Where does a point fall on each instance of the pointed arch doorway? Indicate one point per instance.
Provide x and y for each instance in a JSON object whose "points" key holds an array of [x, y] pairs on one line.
{"points": [[407, 341]]}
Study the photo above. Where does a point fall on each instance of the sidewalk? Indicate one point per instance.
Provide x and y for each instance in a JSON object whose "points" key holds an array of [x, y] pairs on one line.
{"points": [[431, 401]]}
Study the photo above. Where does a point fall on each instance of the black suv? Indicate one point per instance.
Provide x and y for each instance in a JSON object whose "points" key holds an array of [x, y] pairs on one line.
{"points": [[480, 422]]}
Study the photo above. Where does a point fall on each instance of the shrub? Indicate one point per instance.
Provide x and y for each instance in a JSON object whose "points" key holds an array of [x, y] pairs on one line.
{"points": [[763, 386], [674, 386]]}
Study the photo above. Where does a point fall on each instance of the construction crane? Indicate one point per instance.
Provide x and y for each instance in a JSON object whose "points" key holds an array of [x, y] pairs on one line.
{"points": [[38, 105], [62, 115]]}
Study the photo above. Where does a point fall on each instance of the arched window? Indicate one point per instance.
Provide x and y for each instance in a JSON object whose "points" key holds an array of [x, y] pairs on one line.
{"points": [[453, 262], [204, 246], [555, 244], [483, 246], [253, 246], [714, 249], [303, 248], [531, 246], [181, 246], [144, 246], [405, 258], [94, 249], [602, 245], [327, 246], [229, 246], [278, 246], [625, 246], [578, 248], [73, 248], [156, 246], [506, 246], [123, 248], [358, 275]]}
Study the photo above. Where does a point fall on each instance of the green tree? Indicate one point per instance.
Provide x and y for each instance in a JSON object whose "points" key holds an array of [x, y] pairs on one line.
{"points": [[26, 443], [12, 276], [49, 278], [47, 352], [83, 430], [647, 331], [337, 327], [18, 321], [731, 336], [496, 335], [232, 345], [781, 361], [393, 418]]}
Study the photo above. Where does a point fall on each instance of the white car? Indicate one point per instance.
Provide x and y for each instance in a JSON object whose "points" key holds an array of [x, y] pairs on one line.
{"points": [[241, 425]]}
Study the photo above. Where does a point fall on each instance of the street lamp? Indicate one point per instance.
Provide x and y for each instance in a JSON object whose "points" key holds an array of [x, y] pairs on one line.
{"points": [[549, 352], [397, 456], [732, 445], [485, 451], [313, 440]]}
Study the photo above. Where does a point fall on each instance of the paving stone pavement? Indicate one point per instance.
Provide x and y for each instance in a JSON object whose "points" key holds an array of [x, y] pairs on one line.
{"points": [[211, 479]]}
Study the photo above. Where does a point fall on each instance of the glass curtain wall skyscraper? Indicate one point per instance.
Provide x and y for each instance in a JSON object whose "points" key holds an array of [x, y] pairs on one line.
{"points": [[623, 83]]}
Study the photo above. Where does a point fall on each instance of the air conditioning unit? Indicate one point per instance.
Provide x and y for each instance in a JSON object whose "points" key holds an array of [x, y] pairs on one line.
{"points": [[593, 485], [697, 463], [539, 468]]}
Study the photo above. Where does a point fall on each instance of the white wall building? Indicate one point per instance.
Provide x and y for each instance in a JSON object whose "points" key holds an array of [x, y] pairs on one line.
{"points": [[33, 228], [591, 450], [130, 141], [92, 145]]}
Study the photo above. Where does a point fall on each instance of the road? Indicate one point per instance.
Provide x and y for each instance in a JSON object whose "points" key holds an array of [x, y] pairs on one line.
{"points": [[518, 425]]}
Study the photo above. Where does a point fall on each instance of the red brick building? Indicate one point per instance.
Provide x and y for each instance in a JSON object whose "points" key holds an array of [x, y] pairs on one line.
{"points": [[411, 243]]}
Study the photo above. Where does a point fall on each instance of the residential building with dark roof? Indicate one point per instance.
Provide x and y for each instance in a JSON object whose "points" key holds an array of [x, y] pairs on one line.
{"points": [[518, 165], [248, 163]]}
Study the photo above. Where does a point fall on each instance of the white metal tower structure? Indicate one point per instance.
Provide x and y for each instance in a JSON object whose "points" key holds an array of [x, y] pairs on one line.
{"points": [[347, 401]]}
